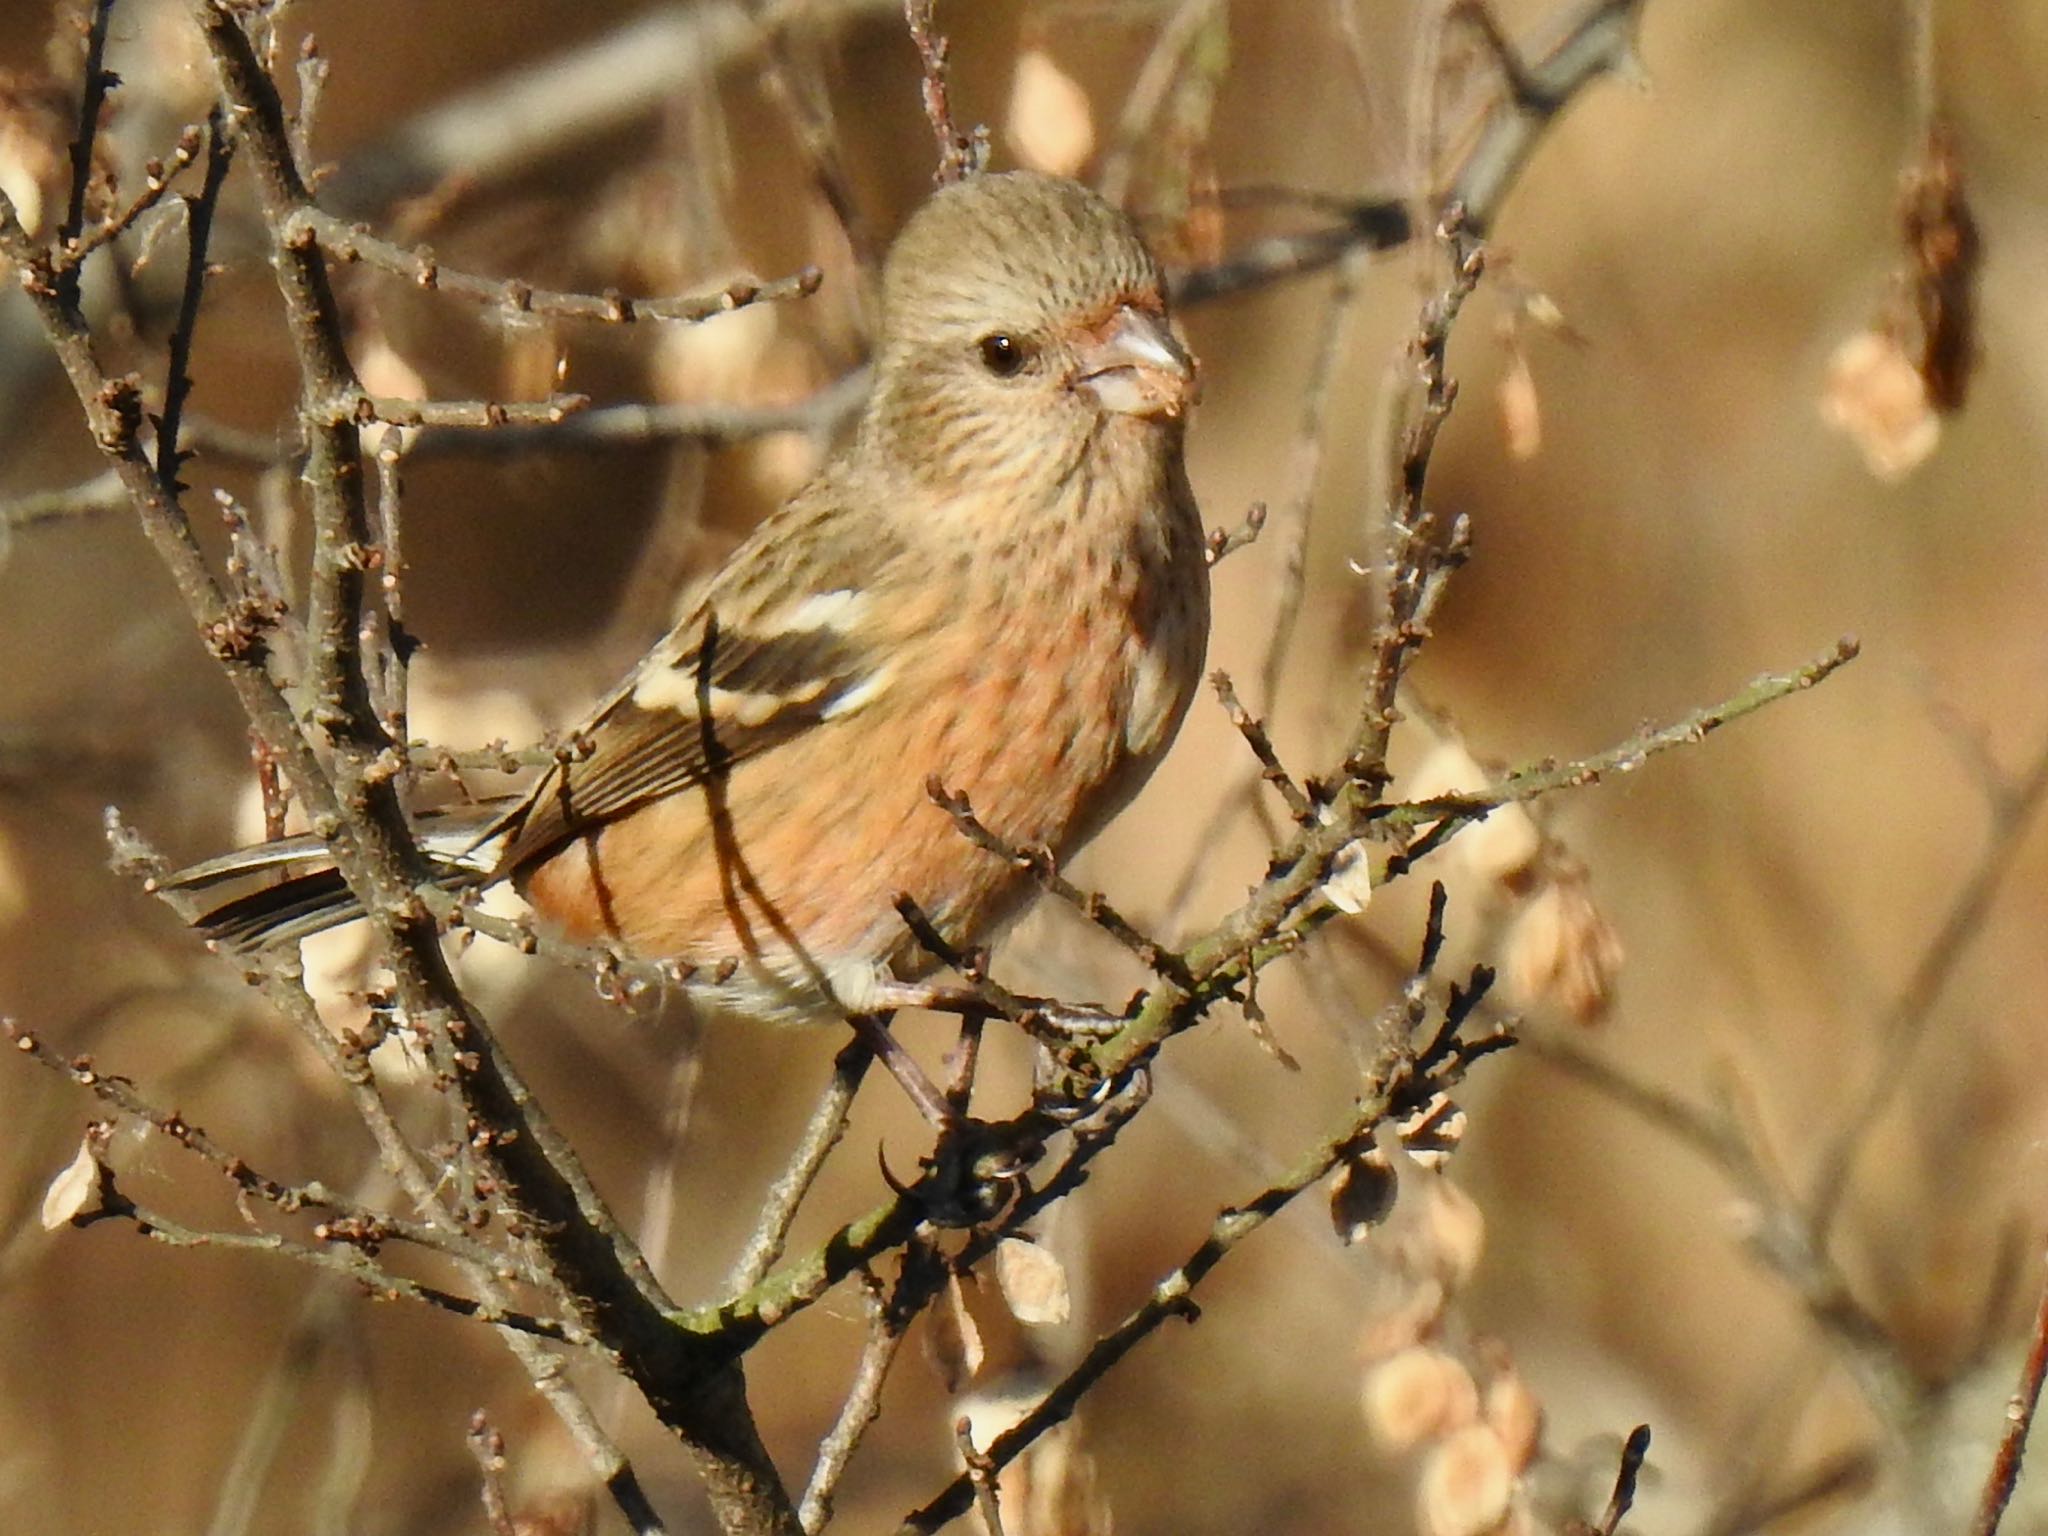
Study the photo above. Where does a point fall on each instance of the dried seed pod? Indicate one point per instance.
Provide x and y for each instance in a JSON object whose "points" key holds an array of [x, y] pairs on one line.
{"points": [[1050, 124], [1363, 1195], [1418, 1395], [1515, 1415], [1467, 1485], [1561, 952], [1033, 1282], [1876, 395]]}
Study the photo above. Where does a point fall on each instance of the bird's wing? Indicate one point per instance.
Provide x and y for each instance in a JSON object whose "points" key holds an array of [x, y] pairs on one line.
{"points": [[775, 648]]}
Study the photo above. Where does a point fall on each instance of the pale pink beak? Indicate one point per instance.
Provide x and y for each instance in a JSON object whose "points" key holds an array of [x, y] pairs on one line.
{"points": [[1133, 365]]}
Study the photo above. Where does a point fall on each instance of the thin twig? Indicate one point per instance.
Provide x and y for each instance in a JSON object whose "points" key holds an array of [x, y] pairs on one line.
{"points": [[1271, 769], [1164, 62], [1304, 473], [439, 1200], [1633, 1453], [862, 1405], [512, 298], [558, 106], [157, 176], [488, 1447], [959, 155], [447, 430], [264, 1438], [351, 1221], [821, 1134], [1225, 542], [350, 1262], [1039, 862], [102, 494], [1285, 907], [1398, 1083], [220, 149], [596, 1262], [1599, 41], [2019, 1423], [1420, 551], [2014, 808], [96, 82], [472, 415], [1781, 1236], [980, 1474], [802, 95]]}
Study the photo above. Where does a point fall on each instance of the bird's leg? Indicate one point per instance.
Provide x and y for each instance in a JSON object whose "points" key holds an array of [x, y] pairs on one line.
{"points": [[873, 1030]]}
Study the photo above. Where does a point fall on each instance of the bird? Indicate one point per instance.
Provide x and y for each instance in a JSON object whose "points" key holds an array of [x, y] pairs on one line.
{"points": [[999, 585]]}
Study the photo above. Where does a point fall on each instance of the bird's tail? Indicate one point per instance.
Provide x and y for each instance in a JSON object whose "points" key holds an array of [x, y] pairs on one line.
{"points": [[462, 848]]}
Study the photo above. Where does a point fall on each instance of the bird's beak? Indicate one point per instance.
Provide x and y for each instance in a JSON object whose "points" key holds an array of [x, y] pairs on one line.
{"points": [[1133, 365]]}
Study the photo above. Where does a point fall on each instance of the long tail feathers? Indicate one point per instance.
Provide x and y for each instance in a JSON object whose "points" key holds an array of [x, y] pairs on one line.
{"points": [[461, 847]]}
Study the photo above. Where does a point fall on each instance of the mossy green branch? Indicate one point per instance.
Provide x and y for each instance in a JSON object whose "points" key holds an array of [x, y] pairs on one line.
{"points": [[1288, 906]]}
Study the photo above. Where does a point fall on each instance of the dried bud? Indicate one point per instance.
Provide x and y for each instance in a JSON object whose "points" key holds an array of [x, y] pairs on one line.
{"points": [[1942, 252], [1561, 953], [1033, 1282], [1455, 1230], [1876, 395], [1050, 125], [1418, 1395], [1467, 1485], [79, 1191]]}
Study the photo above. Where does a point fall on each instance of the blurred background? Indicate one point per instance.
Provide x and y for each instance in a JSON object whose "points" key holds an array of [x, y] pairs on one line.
{"points": [[1843, 891]]}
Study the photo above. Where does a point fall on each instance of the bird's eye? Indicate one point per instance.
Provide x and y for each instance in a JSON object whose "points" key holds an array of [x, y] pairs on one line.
{"points": [[1003, 354]]}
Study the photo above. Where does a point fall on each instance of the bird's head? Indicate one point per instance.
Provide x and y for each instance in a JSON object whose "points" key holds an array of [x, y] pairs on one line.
{"points": [[1023, 328]]}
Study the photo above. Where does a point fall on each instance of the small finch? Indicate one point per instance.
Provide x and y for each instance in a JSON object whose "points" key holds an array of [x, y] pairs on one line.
{"points": [[999, 584]]}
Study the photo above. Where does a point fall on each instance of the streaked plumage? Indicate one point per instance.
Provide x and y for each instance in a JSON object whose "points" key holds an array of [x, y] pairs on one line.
{"points": [[1000, 583]]}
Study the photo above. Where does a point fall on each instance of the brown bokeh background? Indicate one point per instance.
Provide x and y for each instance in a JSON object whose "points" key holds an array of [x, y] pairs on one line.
{"points": [[1688, 521]]}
